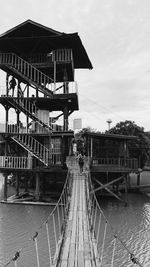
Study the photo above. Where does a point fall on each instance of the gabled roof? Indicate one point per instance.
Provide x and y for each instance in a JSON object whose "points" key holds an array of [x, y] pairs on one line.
{"points": [[32, 37], [30, 28]]}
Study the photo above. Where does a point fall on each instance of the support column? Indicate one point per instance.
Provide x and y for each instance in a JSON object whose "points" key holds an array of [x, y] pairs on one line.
{"points": [[37, 92], [5, 187], [18, 122], [54, 75], [126, 190], [17, 184], [6, 119], [37, 189], [65, 118], [7, 84], [138, 179], [6, 153], [26, 184], [125, 153], [27, 117]]}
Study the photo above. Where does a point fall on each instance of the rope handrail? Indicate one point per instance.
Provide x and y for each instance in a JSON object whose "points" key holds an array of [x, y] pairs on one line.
{"points": [[93, 203], [34, 238]]}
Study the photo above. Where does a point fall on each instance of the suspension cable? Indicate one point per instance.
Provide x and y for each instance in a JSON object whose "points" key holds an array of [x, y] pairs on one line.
{"points": [[45, 222], [116, 236]]}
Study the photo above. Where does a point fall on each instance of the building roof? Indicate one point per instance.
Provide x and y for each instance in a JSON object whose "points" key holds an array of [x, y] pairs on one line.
{"points": [[111, 136], [32, 37]]}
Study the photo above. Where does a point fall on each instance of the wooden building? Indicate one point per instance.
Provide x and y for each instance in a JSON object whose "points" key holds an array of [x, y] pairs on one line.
{"points": [[110, 161], [40, 64]]}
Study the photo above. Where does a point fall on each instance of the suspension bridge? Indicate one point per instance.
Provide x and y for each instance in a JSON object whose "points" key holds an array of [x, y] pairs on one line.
{"points": [[75, 232]]}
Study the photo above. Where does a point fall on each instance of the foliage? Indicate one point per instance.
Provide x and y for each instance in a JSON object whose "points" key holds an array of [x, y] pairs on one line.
{"points": [[79, 137], [139, 147]]}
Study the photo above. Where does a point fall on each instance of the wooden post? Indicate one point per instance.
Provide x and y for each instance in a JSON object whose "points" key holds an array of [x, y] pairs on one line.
{"points": [[6, 121], [7, 84], [18, 122], [17, 184], [27, 117], [26, 184], [37, 189], [65, 118], [138, 179], [126, 190], [5, 187], [54, 74], [37, 92]]}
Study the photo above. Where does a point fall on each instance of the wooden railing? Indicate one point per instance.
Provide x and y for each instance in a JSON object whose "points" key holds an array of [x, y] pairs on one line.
{"points": [[29, 108], [66, 88], [37, 58], [15, 162], [27, 70], [34, 147], [56, 159], [130, 163], [62, 55]]}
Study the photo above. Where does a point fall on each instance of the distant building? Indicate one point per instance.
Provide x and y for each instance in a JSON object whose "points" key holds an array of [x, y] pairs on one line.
{"points": [[77, 124]]}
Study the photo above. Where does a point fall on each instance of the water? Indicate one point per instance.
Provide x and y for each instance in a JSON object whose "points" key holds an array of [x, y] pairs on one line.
{"points": [[19, 222]]}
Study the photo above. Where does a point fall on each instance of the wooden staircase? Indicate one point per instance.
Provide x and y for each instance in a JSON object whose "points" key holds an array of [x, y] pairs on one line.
{"points": [[34, 147], [29, 109], [27, 72]]}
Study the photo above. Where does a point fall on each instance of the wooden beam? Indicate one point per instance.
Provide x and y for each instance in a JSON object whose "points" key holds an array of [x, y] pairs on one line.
{"points": [[104, 185], [140, 186], [126, 191], [112, 193]]}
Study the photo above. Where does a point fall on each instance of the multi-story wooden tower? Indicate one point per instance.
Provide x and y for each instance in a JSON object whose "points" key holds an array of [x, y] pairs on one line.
{"points": [[39, 63]]}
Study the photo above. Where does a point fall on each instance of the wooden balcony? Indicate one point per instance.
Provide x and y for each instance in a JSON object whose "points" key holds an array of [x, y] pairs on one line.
{"points": [[8, 162], [114, 164]]}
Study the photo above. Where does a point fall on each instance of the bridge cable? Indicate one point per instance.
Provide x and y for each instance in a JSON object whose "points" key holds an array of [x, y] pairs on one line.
{"points": [[45, 222]]}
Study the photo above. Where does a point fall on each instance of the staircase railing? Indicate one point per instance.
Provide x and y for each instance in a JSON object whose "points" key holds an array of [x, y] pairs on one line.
{"points": [[30, 109], [34, 147], [29, 72]]}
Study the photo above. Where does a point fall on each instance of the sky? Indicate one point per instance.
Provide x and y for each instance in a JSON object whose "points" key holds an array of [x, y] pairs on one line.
{"points": [[116, 36]]}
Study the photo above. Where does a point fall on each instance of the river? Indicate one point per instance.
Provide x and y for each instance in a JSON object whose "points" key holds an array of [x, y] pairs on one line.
{"points": [[19, 222]]}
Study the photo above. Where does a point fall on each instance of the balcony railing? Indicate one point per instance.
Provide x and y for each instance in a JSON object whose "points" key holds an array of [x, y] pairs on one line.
{"points": [[62, 55], [56, 159], [15, 162], [61, 88], [130, 163], [66, 88]]}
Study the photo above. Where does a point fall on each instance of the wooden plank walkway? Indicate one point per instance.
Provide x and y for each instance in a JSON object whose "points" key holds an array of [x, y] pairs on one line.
{"points": [[77, 248]]}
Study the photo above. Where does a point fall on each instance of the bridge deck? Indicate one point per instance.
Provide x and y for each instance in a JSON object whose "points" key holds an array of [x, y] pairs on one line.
{"points": [[77, 249]]}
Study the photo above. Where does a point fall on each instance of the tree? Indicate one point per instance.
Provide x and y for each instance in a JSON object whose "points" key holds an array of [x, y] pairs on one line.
{"points": [[80, 139], [138, 148]]}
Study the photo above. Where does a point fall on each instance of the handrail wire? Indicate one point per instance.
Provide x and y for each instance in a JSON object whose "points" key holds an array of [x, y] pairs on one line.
{"points": [[45, 222], [116, 236]]}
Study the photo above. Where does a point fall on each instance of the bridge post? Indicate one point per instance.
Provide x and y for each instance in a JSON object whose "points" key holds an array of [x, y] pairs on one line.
{"points": [[17, 184], [5, 187], [126, 190], [37, 189]]}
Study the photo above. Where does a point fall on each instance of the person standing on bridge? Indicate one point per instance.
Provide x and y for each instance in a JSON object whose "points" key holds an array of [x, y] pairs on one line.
{"points": [[81, 162]]}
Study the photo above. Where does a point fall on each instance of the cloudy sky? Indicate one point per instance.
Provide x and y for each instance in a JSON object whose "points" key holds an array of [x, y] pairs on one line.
{"points": [[116, 36]]}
